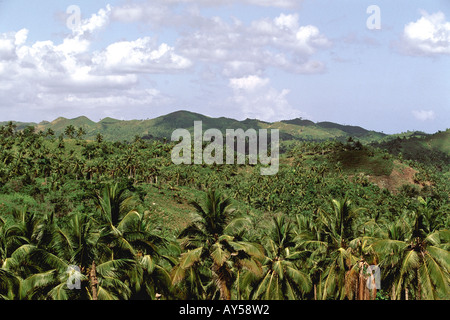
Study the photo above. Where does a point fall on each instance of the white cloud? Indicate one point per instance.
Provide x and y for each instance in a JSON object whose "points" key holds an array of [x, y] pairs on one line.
{"points": [[235, 68], [8, 46], [96, 22], [155, 13], [139, 56], [250, 83], [288, 21], [256, 99], [21, 37], [429, 35], [68, 75], [281, 43], [424, 115]]}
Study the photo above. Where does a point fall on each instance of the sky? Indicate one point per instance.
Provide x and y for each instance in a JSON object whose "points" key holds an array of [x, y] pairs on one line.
{"points": [[380, 64]]}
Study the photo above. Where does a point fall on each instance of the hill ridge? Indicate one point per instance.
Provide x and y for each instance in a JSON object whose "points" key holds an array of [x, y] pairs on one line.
{"points": [[163, 126]]}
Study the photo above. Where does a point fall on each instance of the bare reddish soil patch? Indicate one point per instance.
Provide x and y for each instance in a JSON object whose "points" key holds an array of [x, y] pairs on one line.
{"points": [[399, 176]]}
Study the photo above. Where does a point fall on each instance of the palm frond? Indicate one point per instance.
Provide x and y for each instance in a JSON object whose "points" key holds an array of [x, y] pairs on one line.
{"points": [[190, 257], [218, 254], [113, 268]]}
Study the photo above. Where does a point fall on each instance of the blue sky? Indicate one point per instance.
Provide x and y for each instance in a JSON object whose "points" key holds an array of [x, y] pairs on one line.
{"points": [[271, 60]]}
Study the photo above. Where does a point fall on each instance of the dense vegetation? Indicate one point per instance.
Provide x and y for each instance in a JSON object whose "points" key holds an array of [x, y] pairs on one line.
{"points": [[431, 150], [162, 127], [139, 227]]}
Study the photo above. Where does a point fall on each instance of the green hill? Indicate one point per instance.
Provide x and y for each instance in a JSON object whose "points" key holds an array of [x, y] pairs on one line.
{"points": [[433, 149], [137, 224], [352, 130], [290, 130]]}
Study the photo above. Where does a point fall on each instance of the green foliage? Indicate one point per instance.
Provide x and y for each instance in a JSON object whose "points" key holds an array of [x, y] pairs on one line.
{"points": [[428, 149], [162, 128], [154, 230]]}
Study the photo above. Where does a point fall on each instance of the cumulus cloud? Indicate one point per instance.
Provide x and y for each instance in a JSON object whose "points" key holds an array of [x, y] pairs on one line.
{"points": [[68, 73], [8, 45], [155, 13], [45, 74], [281, 43], [424, 115], [238, 48], [140, 56], [256, 99], [95, 22], [284, 32], [248, 84], [429, 35], [182, 13]]}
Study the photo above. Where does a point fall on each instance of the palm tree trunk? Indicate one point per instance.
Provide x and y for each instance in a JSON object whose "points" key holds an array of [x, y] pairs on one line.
{"points": [[418, 296], [315, 291], [361, 282], [406, 294], [93, 281]]}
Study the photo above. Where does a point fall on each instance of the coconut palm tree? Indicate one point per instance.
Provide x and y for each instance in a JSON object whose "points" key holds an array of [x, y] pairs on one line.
{"points": [[309, 237], [99, 138], [214, 249], [136, 238], [282, 278], [415, 258], [81, 132], [12, 236], [77, 242], [35, 286], [338, 232], [113, 202], [70, 131]]}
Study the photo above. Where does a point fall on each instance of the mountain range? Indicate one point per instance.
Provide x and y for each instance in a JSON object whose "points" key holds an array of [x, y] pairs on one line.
{"points": [[163, 126], [294, 129]]}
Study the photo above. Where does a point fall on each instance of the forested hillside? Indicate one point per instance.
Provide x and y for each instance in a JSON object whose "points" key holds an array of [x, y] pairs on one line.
{"points": [[139, 227], [162, 127]]}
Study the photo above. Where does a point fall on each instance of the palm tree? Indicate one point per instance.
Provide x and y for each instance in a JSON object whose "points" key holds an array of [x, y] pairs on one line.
{"points": [[337, 227], [415, 258], [153, 260], [214, 250], [99, 138], [309, 237], [128, 237], [33, 285], [49, 132], [10, 129], [70, 131], [78, 242], [29, 241], [113, 203], [80, 132], [12, 236], [282, 278]]}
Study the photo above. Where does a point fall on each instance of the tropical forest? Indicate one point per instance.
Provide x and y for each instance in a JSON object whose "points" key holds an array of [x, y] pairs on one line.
{"points": [[98, 211]]}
